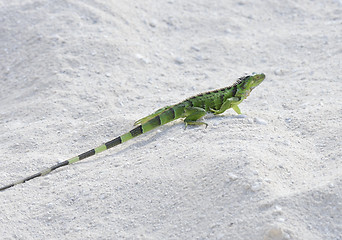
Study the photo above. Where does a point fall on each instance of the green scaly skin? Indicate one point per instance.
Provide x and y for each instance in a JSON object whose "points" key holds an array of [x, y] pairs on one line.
{"points": [[191, 110]]}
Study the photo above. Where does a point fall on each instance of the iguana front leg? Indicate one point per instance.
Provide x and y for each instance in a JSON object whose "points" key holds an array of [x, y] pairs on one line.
{"points": [[229, 103], [149, 117], [192, 114]]}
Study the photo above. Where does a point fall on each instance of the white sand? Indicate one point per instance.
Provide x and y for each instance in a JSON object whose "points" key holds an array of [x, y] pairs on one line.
{"points": [[75, 74]]}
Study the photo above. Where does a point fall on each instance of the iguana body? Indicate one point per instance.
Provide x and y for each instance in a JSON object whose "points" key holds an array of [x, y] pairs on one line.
{"points": [[191, 109]]}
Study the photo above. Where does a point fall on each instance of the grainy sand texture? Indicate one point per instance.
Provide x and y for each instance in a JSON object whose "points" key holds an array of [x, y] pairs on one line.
{"points": [[75, 74]]}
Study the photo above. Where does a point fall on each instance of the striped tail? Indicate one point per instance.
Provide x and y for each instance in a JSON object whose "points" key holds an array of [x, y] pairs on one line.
{"points": [[158, 120]]}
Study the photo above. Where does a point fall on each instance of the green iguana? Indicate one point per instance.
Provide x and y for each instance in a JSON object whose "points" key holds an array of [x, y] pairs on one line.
{"points": [[191, 110]]}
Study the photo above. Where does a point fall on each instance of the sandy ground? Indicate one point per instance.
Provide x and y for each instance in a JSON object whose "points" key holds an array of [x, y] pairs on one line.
{"points": [[75, 74]]}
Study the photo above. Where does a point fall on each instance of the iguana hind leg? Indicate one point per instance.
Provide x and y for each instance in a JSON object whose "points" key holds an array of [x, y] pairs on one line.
{"points": [[192, 114], [149, 117]]}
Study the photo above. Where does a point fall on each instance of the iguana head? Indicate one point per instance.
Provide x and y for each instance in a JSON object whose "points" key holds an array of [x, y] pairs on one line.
{"points": [[248, 83], [252, 81], [256, 79]]}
